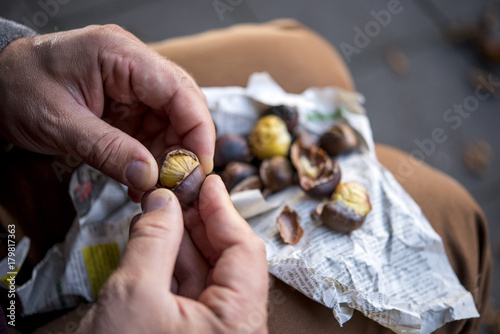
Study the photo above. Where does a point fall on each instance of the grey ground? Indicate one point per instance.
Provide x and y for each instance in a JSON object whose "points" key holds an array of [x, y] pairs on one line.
{"points": [[402, 109]]}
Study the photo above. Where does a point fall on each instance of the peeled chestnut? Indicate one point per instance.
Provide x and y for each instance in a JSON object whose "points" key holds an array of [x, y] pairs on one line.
{"points": [[229, 148], [288, 114], [276, 173], [340, 139], [289, 225], [318, 174], [180, 170], [235, 172], [270, 137], [348, 209]]}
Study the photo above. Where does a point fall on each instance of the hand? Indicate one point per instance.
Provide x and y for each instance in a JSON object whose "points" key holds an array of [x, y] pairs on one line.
{"points": [[232, 298], [102, 95]]}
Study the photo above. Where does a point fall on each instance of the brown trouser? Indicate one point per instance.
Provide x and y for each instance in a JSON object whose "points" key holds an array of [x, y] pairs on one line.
{"points": [[297, 58]]}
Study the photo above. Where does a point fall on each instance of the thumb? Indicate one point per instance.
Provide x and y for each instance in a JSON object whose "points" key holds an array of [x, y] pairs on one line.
{"points": [[155, 238], [113, 152]]}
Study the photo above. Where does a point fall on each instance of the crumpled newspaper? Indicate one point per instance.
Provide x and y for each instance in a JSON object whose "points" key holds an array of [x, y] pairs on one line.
{"points": [[393, 269]]}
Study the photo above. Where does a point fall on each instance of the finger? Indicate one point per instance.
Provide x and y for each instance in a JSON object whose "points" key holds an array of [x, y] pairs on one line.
{"points": [[167, 89], [155, 238], [191, 269], [224, 226], [110, 150], [240, 276], [198, 234], [242, 253]]}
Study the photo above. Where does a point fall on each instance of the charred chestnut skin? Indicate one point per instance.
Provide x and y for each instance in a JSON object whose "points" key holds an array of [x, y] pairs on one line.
{"points": [[276, 173], [318, 174], [231, 147], [288, 114], [339, 139], [348, 209], [235, 172], [189, 171]]}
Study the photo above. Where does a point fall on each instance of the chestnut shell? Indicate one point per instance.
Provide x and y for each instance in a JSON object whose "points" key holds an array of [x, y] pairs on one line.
{"points": [[328, 171], [339, 217], [288, 223], [339, 139], [231, 147], [276, 173], [235, 172], [250, 183], [188, 190]]}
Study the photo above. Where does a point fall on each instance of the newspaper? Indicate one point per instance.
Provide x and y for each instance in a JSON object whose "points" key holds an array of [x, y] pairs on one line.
{"points": [[393, 269]]}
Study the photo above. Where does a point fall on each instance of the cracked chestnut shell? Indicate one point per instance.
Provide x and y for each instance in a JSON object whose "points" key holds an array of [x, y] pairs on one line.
{"points": [[269, 137], [318, 174], [180, 171], [276, 173], [288, 114], [339, 139], [348, 209], [235, 172], [229, 148], [288, 223]]}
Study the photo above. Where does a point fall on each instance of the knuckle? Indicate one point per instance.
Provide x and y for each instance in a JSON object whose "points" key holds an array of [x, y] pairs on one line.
{"points": [[113, 29], [105, 155]]}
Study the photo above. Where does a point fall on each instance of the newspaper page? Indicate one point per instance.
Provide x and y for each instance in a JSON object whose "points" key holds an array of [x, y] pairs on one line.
{"points": [[393, 269]]}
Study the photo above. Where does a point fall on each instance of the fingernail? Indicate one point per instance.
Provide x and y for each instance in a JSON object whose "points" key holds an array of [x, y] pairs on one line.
{"points": [[138, 174], [157, 200]]}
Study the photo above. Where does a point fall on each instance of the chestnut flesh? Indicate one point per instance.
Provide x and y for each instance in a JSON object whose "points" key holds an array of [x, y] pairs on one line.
{"points": [[318, 174], [339, 139], [270, 137], [276, 173], [180, 171], [288, 223], [348, 209], [229, 148]]}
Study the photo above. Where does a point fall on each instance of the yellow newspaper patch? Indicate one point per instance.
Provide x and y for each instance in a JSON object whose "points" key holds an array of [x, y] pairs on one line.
{"points": [[4, 279], [100, 261]]}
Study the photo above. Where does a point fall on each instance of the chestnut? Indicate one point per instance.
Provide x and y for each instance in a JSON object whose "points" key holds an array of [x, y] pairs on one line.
{"points": [[270, 137], [235, 172], [288, 114], [339, 139], [348, 209], [318, 174], [180, 170], [250, 183], [276, 173], [288, 223], [229, 148]]}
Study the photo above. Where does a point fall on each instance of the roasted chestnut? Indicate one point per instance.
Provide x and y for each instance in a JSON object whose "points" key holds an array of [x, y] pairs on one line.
{"points": [[235, 172], [250, 183], [180, 170], [276, 173], [270, 137], [318, 174], [288, 223], [288, 114], [339, 139], [229, 148], [348, 209]]}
